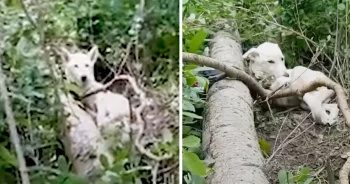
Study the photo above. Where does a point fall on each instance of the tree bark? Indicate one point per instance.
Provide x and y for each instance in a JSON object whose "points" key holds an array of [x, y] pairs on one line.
{"points": [[229, 136]]}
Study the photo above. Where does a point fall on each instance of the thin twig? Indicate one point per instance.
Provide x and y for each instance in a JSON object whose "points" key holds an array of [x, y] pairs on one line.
{"points": [[26, 12], [279, 131], [284, 142], [155, 173]]}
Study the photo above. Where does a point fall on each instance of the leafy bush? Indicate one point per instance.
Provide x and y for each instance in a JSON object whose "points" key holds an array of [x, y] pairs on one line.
{"points": [[193, 89]]}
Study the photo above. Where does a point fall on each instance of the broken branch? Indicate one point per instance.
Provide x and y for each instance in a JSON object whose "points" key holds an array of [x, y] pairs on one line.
{"points": [[344, 172]]}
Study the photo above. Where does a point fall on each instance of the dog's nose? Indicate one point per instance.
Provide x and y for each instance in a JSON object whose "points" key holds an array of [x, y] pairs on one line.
{"points": [[83, 78], [286, 74]]}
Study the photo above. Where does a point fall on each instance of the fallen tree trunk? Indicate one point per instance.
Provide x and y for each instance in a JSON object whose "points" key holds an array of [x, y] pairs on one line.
{"points": [[229, 134]]}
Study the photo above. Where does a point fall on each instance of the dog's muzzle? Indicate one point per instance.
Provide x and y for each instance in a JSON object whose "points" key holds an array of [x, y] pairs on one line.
{"points": [[83, 78]]}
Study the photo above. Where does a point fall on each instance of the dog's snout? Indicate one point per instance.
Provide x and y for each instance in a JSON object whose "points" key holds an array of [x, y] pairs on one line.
{"points": [[83, 78], [286, 74]]}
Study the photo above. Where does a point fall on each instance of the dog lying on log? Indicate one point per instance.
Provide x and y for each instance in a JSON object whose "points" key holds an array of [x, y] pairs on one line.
{"points": [[266, 65], [315, 101]]}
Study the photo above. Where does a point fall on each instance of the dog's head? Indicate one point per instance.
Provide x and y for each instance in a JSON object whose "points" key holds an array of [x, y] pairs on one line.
{"points": [[79, 67], [266, 59], [330, 114]]}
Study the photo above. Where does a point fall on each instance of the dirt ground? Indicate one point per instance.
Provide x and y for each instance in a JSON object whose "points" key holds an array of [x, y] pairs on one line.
{"points": [[305, 143]]}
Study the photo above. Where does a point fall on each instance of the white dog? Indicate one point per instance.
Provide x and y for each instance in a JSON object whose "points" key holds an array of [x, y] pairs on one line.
{"points": [[82, 139], [314, 101], [267, 60], [111, 110]]}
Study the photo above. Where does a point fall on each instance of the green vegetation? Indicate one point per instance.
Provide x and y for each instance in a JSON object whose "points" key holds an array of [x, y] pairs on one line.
{"points": [[139, 38], [302, 176]]}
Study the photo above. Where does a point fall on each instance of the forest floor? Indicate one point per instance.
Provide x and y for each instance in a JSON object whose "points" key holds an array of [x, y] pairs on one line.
{"points": [[306, 144]]}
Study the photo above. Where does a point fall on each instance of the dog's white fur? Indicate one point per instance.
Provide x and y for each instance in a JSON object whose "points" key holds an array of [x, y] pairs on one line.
{"points": [[83, 141], [314, 101], [267, 58], [112, 110]]}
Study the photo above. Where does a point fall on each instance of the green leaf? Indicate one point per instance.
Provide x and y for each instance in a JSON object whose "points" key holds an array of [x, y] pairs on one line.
{"points": [[71, 179], [14, 4], [309, 180], [185, 129], [193, 164], [190, 78], [62, 164], [285, 177], [198, 179], [7, 157], [265, 146], [303, 174], [190, 67], [187, 106], [197, 41], [341, 6], [191, 141], [104, 161], [184, 2], [282, 177], [203, 82], [192, 115]]}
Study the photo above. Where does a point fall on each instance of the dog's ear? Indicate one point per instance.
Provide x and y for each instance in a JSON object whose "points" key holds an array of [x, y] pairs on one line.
{"points": [[93, 54], [251, 54], [65, 54]]}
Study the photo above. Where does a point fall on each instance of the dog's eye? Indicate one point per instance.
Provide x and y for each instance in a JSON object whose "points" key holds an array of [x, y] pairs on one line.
{"points": [[86, 65], [282, 59], [270, 61], [327, 111], [76, 66]]}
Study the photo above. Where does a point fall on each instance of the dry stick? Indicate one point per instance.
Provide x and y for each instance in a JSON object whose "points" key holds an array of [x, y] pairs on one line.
{"points": [[13, 131], [252, 84], [230, 71], [279, 131], [155, 173], [344, 172]]}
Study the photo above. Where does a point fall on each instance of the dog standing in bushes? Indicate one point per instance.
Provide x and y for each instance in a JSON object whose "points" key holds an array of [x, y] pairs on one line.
{"points": [[111, 111]]}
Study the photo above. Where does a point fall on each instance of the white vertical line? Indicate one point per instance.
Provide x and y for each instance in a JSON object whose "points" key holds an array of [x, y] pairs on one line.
{"points": [[180, 91]]}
